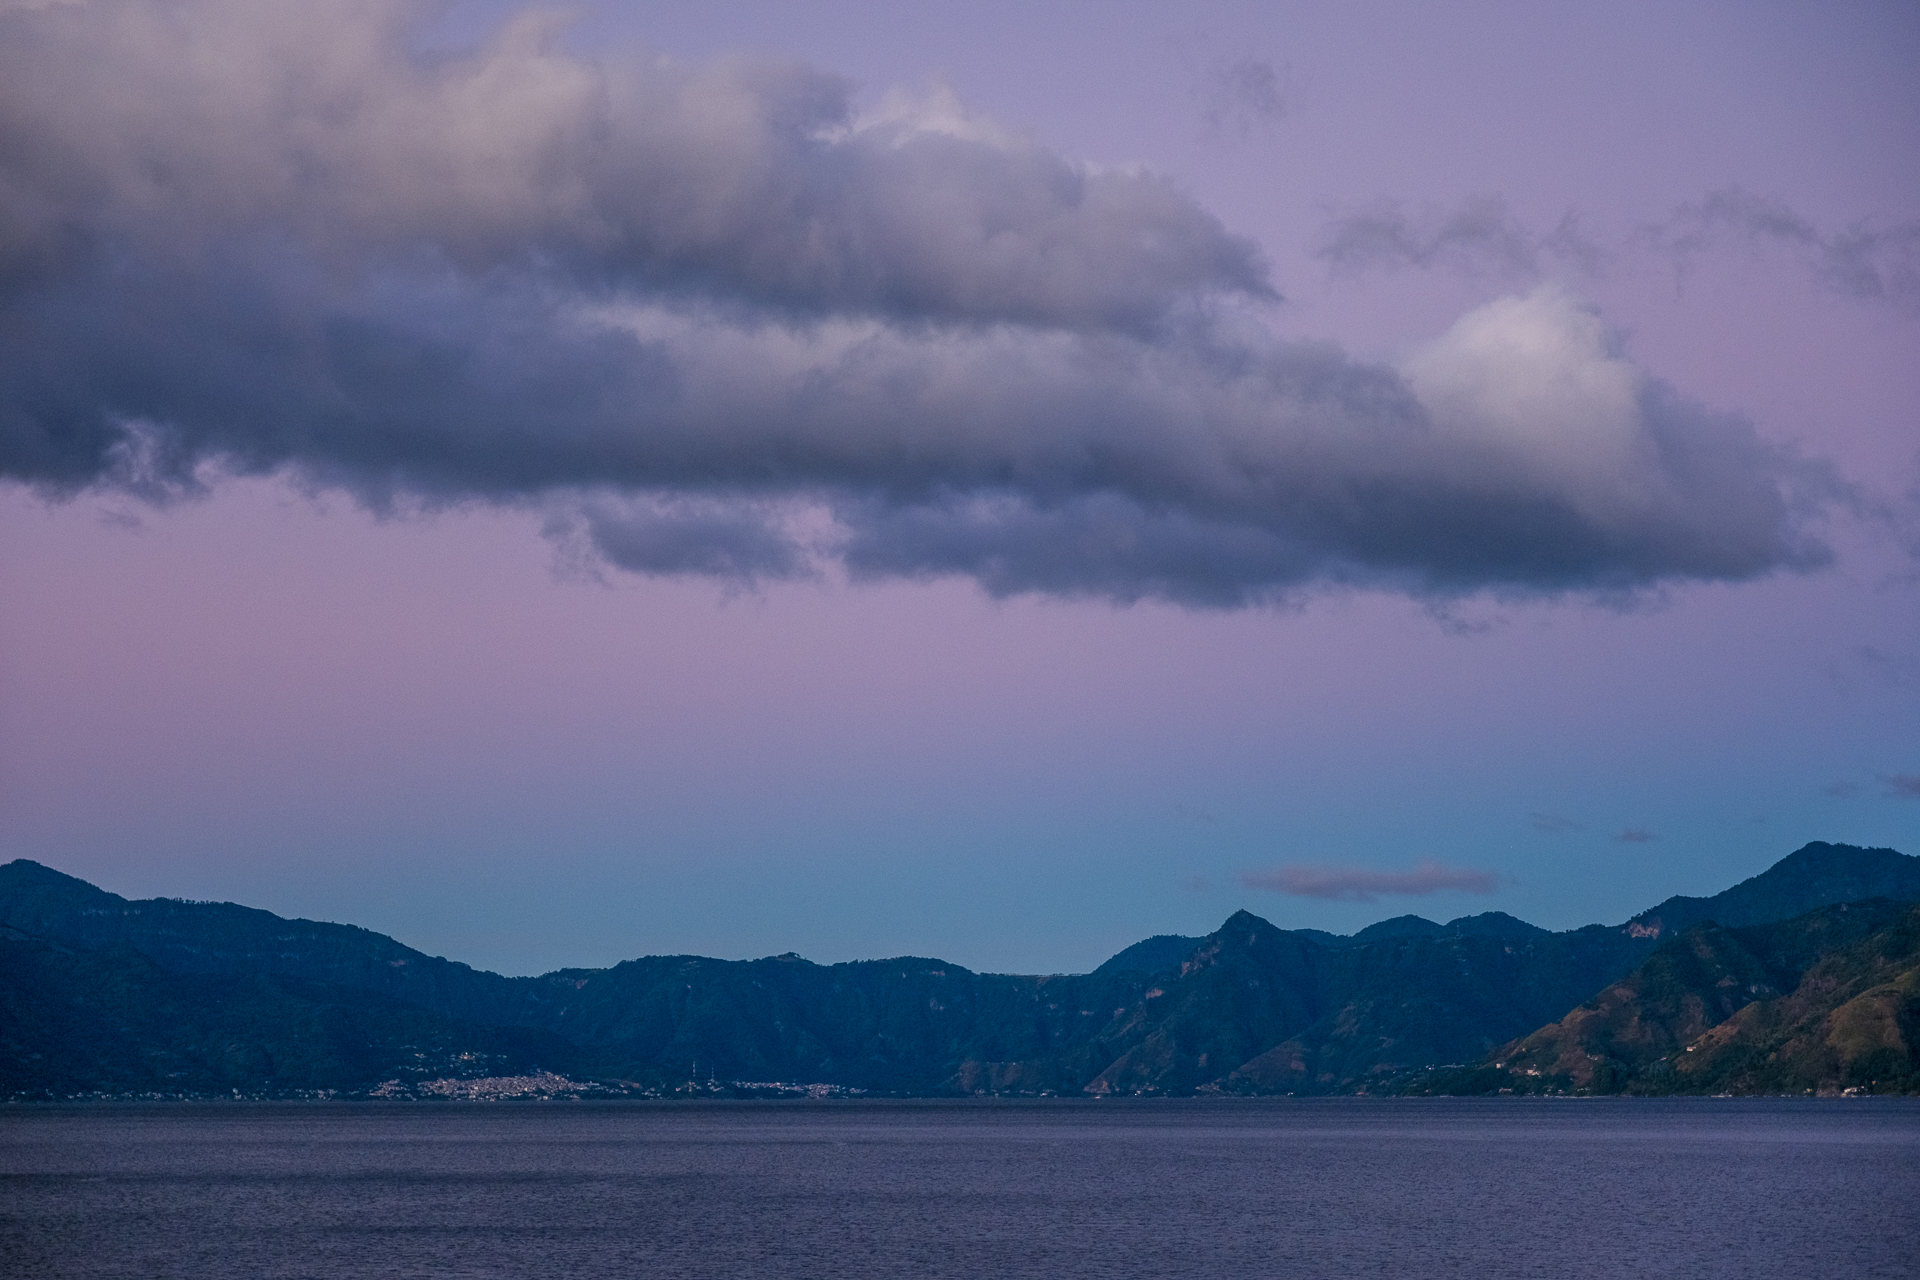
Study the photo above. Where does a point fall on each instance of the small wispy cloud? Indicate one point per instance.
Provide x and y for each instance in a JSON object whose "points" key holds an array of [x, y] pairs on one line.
{"points": [[1635, 835], [1240, 95], [1904, 786], [1887, 668], [1552, 823], [1481, 236], [1197, 884], [1842, 789], [1193, 813], [1878, 264], [1352, 884]]}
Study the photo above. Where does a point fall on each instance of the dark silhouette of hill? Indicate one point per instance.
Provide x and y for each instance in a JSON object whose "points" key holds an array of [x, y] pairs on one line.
{"points": [[100, 993], [1815, 875], [116, 1022], [1157, 954], [1493, 924], [1260, 1010], [1166, 951], [1399, 927], [220, 938], [905, 1025]]}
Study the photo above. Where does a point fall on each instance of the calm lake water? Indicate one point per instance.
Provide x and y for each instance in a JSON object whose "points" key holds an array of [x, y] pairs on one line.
{"points": [[1312, 1188]]}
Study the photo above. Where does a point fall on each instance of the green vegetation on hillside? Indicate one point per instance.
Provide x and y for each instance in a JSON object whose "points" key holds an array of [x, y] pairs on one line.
{"points": [[1824, 1003]]}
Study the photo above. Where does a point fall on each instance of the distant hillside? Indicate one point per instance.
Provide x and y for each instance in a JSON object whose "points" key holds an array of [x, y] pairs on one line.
{"points": [[1399, 927], [1818, 1004], [1492, 924], [1157, 954], [1852, 1022], [220, 938], [1340, 1019], [102, 994], [902, 1026], [1815, 875], [115, 1022]]}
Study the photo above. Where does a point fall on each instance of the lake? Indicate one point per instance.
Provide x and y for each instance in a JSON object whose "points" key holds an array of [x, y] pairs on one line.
{"points": [[1485, 1188]]}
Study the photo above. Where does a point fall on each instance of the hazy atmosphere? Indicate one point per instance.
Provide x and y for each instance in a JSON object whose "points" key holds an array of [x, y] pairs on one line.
{"points": [[855, 479]]}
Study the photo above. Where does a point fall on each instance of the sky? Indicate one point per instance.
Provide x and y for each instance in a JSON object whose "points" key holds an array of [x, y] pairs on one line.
{"points": [[990, 482]]}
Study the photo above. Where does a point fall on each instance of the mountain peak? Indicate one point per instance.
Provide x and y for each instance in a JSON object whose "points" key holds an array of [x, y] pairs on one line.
{"points": [[1408, 926], [1496, 924], [1817, 874], [1157, 954], [34, 895], [26, 870], [1242, 918]]}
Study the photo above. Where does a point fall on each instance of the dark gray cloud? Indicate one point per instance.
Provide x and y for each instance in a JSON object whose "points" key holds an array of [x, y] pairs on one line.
{"points": [[164, 129], [1354, 885], [1635, 835], [739, 540], [710, 323], [1904, 786]]}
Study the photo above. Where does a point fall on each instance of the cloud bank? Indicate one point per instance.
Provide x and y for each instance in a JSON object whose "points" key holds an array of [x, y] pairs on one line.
{"points": [[710, 321], [1345, 884]]}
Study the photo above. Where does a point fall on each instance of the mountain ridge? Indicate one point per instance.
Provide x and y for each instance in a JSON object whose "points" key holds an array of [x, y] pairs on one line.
{"points": [[1250, 1008]]}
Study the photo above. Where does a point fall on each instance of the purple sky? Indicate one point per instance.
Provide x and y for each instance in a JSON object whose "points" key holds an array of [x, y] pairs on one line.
{"points": [[560, 495]]}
